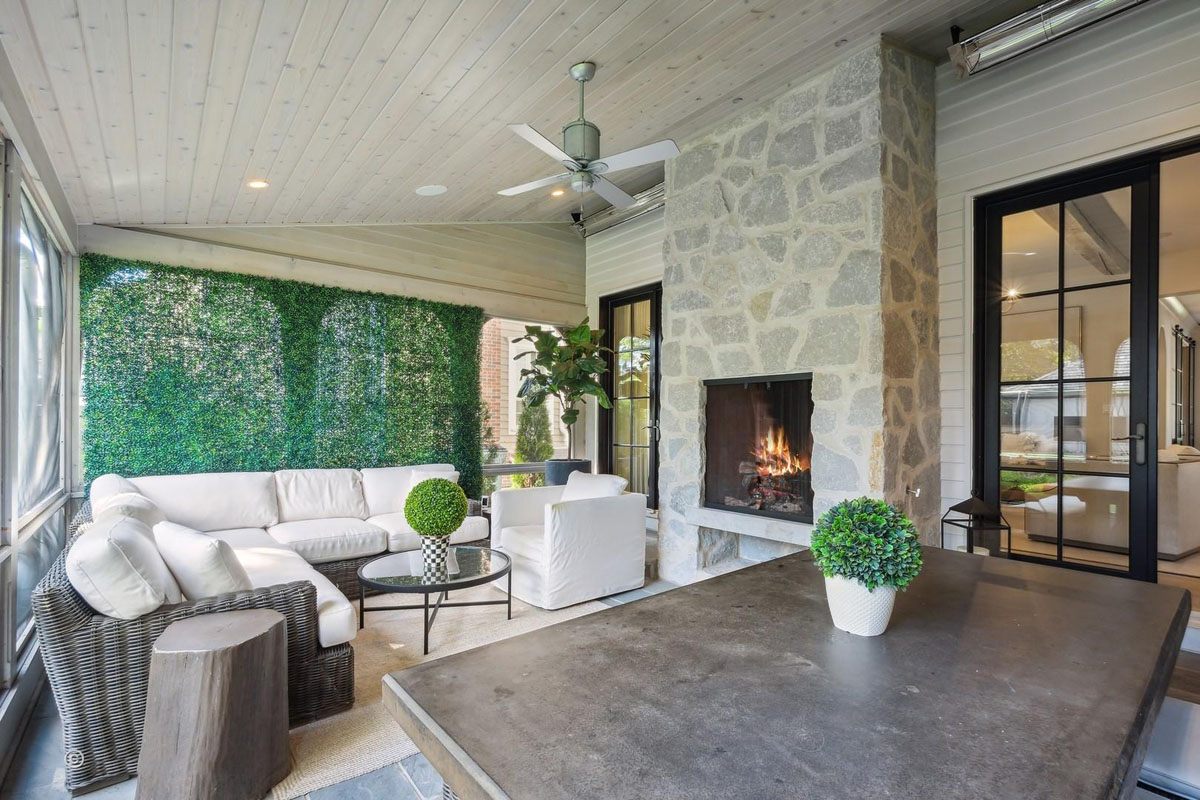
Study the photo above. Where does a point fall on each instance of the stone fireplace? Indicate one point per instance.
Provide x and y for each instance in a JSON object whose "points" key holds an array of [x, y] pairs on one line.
{"points": [[801, 238], [758, 446]]}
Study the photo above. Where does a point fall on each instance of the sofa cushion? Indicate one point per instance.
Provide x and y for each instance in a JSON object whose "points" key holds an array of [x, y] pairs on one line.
{"points": [[128, 504], [401, 536], [106, 486], [247, 537], [213, 501], [204, 566], [525, 541], [116, 568], [332, 539], [386, 488], [586, 486], [319, 494], [272, 565]]}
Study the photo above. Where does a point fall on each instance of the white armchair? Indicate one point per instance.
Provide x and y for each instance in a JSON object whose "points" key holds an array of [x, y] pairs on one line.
{"points": [[566, 552]]}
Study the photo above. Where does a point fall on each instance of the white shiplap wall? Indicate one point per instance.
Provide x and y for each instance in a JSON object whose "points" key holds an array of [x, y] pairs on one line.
{"points": [[1124, 85], [623, 257], [527, 271]]}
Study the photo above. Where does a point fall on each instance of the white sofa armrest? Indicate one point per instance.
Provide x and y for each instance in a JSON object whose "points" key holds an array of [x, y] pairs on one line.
{"points": [[511, 507]]}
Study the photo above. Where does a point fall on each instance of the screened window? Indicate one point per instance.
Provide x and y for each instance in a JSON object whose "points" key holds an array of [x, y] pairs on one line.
{"points": [[39, 386]]}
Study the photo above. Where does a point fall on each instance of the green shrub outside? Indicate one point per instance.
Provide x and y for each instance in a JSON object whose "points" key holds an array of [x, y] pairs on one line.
{"points": [[868, 541], [533, 443], [201, 371], [436, 507]]}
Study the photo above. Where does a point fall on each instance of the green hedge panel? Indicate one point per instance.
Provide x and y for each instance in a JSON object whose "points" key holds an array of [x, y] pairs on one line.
{"points": [[194, 371]]}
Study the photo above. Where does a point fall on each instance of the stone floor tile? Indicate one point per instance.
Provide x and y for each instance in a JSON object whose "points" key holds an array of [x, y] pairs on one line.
{"points": [[424, 776], [386, 783]]}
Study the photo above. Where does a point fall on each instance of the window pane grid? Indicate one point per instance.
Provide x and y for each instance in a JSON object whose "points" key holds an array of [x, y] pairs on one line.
{"points": [[1065, 312]]}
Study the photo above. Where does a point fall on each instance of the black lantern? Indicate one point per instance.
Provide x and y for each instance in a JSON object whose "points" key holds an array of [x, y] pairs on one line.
{"points": [[978, 518]]}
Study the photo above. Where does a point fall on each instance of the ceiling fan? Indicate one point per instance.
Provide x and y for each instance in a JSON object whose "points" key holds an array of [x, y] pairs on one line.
{"points": [[580, 153]]}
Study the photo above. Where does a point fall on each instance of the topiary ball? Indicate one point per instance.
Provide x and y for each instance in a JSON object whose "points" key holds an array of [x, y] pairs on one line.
{"points": [[868, 541], [436, 507]]}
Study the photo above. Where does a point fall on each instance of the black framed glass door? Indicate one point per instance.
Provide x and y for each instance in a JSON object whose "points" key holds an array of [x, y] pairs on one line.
{"points": [[1066, 436], [629, 431]]}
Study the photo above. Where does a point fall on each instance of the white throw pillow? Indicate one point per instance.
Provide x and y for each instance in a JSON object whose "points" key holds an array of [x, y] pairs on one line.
{"points": [[108, 485], [585, 486], [1183, 450], [116, 568], [203, 565], [128, 504]]}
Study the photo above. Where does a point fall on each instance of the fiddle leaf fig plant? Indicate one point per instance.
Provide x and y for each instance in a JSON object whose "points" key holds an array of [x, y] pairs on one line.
{"points": [[565, 363]]}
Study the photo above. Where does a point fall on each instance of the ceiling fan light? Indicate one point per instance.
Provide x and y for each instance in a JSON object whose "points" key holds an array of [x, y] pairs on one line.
{"points": [[1024, 32], [581, 181]]}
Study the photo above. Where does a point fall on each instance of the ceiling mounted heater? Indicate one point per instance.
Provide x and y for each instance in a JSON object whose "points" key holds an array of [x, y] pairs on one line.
{"points": [[1034, 28]]}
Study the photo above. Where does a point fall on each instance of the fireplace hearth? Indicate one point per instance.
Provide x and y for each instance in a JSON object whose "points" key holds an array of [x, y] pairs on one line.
{"points": [[758, 446]]}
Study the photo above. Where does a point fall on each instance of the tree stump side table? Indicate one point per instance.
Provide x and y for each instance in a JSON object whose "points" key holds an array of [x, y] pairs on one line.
{"points": [[217, 709]]}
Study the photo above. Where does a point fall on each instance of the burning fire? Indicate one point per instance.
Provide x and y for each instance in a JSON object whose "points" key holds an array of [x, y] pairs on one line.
{"points": [[773, 457]]}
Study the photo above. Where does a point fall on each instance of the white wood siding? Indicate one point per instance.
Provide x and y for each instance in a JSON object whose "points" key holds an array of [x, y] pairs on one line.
{"points": [[1125, 85], [524, 271], [624, 257]]}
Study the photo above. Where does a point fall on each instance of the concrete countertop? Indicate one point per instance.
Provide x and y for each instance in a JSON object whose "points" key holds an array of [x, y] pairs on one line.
{"points": [[996, 679]]}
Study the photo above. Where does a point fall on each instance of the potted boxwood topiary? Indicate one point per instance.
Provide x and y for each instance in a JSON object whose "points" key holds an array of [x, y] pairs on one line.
{"points": [[435, 508], [867, 550]]}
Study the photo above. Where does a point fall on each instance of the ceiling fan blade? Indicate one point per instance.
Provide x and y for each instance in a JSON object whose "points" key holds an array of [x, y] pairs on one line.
{"points": [[638, 156], [527, 187], [548, 147], [611, 192]]}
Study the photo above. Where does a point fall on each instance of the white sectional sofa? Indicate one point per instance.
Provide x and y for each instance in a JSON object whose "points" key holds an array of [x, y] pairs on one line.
{"points": [[317, 525], [288, 541]]}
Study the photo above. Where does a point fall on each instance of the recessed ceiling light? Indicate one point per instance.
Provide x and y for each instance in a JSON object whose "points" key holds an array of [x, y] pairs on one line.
{"points": [[432, 190], [257, 183], [557, 193]]}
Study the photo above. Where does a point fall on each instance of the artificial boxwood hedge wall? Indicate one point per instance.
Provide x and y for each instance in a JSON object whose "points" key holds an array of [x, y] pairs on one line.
{"points": [[194, 371]]}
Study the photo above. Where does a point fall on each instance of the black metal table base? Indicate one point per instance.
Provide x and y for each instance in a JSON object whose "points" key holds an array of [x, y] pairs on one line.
{"points": [[437, 606]]}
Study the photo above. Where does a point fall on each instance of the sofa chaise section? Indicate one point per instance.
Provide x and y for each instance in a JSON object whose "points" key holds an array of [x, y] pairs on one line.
{"points": [[98, 667]]}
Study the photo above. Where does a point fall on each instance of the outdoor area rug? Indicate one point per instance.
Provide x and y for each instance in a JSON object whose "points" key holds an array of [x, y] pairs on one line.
{"points": [[366, 737]]}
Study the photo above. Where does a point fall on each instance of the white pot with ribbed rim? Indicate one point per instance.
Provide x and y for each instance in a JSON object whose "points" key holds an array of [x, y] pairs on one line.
{"points": [[857, 609]]}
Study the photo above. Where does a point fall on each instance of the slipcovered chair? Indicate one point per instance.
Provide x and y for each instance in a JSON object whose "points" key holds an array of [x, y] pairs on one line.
{"points": [[571, 543]]}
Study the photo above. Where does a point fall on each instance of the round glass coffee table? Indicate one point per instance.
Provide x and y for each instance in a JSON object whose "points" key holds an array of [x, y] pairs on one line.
{"points": [[402, 573]]}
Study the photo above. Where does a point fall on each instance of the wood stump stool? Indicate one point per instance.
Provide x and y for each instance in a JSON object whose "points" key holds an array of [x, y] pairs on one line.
{"points": [[216, 709]]}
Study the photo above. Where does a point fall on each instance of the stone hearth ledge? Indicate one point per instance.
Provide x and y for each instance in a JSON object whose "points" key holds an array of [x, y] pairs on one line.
{"points": [[777, 530]]}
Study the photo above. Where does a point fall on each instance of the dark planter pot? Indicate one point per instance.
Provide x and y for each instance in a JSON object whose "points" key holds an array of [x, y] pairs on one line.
{"points": [[559, 469]]}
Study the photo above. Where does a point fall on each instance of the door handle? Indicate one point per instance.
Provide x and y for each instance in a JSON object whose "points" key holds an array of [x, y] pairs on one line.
{"points": [[1138, 437], [653, 426]]}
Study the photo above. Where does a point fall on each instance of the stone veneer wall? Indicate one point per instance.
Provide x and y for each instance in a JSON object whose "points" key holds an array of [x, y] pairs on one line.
{"points": [[801, 237]]}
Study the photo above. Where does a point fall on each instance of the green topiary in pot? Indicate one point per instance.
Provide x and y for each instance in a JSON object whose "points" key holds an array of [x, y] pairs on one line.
{"points": [[436, 507], [867, 550]]}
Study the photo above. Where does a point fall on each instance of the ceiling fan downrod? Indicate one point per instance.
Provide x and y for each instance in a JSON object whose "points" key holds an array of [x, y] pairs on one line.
{"points": [[581, 139]]}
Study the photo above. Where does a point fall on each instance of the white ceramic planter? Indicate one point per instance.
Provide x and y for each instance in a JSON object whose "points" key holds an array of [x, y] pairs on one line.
{"points": [[858, 610]]}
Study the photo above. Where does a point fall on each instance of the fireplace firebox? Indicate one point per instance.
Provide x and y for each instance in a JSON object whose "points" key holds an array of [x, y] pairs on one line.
{"points": [[758, 446]]}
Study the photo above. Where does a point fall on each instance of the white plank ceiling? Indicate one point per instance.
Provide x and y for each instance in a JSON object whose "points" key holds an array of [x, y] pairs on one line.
{"points": [[159, 112]]}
